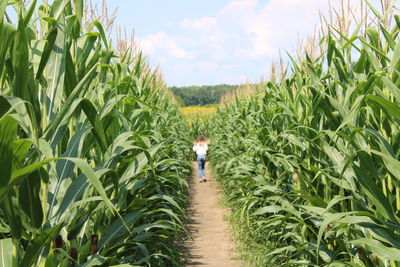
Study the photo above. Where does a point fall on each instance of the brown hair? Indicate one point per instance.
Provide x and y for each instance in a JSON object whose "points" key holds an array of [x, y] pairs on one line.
{"points": [[201, 140]]}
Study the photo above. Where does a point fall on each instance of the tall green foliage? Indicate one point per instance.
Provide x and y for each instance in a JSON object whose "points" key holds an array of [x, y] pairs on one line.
{"points": [[92, 152], [311, 165]]}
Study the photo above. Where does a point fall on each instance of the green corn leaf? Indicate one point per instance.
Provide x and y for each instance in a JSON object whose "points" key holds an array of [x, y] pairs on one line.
{"points": [[389, 107], [395, 63], [35, 245], [388, 37], [379, 248], [74, 192], [79, 6], [6, 252], [57, 8], [29, 198], [66, 108], [29, 13], [37, 48], [3, 6], [20, 174], [9, 207], [56, 72], [20, 62], [374, 10], [392, 87], [360, 66], [117, 229], [373, 36], [48, 48], [20, 152], [93, 116], [70, 75], [8, 132], [7, 32], [101, 31]]}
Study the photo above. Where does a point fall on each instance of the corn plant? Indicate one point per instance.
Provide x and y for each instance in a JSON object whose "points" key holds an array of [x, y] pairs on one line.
{"points": [[92, 152], [311, 164]]}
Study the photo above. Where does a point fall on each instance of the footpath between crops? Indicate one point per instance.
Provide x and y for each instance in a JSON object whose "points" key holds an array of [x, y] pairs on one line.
{"points": [[212, 245]]}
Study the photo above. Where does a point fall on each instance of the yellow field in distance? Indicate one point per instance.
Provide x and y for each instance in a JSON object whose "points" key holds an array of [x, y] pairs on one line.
{"points": [[198, 112]]}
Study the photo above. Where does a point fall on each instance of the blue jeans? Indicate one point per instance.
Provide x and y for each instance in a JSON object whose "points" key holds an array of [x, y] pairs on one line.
{"points": [[201, 163]]}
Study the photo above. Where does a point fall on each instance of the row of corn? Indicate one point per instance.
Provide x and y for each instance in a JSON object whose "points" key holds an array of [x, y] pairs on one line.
{"points": [[310, 163], [92, 152]]}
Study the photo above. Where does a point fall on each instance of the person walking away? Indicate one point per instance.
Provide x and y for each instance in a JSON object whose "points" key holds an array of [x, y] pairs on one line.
{"points": [[201, 148]]}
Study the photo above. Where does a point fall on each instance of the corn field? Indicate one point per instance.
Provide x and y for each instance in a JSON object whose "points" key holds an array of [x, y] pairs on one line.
{"points": [[310, 161], [93, 155]]}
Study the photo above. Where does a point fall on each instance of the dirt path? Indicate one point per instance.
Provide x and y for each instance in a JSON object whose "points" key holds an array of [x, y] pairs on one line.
{"points": [[211, 245]]}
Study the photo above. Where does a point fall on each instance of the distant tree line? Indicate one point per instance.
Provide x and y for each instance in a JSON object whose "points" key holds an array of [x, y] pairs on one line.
{"points": [[201, 95]]}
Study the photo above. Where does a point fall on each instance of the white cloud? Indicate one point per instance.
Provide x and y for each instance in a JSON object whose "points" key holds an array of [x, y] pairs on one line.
{"points": [[253, 29], [267, 28], [241, 30], [242, 33], [278, 24], [161, 42]]}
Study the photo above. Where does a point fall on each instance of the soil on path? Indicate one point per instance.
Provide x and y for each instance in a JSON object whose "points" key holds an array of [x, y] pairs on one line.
{"points": [[212, 245]]}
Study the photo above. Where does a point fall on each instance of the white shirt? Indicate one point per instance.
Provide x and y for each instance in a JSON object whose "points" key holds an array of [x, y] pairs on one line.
{"points": [[200, 149]]}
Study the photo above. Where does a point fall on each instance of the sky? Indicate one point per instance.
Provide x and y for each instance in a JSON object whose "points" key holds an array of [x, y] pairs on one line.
{"points": [[212, 42], [207, 42]]}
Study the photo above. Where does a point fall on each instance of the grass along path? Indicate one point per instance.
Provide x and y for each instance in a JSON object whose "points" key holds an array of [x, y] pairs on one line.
{"points": [[212, 245]]}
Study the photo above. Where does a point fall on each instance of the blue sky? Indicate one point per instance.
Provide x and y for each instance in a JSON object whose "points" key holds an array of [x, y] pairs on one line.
{"points": [[211, 42]]}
